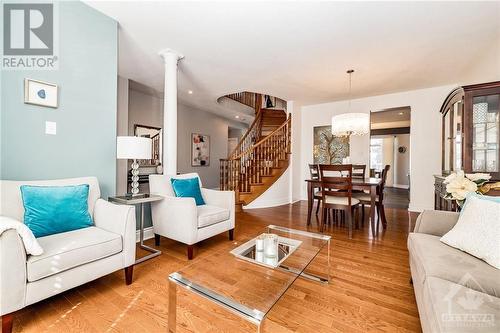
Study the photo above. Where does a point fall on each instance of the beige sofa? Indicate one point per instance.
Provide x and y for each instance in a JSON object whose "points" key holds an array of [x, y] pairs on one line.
{"points": [[455, 292], [70, 258]]}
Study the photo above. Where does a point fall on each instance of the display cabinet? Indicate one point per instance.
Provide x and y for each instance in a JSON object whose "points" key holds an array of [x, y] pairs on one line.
{"points": [[470, 135]]}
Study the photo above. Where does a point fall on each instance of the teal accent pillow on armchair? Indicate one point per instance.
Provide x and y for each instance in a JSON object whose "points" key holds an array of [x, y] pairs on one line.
{"points": [[188, 188], [51, 210]]}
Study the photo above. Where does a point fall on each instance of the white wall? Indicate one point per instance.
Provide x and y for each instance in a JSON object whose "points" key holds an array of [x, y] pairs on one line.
{"points": [[388, 158], [401, 160], [144, 109], [190, 120], [425, 143], [295, 110]]}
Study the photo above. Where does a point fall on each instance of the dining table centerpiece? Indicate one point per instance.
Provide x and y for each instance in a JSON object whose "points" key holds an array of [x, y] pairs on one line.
{"points": [[459, 184]]}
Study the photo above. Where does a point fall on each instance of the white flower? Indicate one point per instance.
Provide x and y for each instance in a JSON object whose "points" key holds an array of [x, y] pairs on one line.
{"points": [[452, 176], [478, 176], [459, 187]]}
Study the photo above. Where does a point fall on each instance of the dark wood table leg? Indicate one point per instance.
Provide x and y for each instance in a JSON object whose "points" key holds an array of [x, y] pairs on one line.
{"points": [[382, 211], [310, 200], [373, 193]]}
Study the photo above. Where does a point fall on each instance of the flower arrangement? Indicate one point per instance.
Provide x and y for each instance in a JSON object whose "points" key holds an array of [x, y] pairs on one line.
{"points": [[459, 184]]}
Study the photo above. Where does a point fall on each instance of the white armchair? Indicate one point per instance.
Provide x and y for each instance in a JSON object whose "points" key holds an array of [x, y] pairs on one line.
{"points": [[181, 220], [70, 258]]}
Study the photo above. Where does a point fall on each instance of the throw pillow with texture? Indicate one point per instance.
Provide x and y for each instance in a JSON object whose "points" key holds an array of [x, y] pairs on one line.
{"points": [[477, 231]]}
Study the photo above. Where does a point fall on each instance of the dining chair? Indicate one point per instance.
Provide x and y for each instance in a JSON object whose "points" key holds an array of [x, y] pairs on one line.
{"points": [[336, 191], [365, 198], [359, 171], [314, 171]]}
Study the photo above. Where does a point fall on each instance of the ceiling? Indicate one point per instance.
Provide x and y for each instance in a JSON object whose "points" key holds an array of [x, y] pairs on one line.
{"points": [[300, 50]]}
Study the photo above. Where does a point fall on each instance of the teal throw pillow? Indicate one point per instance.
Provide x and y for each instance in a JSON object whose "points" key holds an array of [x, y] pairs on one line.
{"points": [[188, 188], [51, 210]]}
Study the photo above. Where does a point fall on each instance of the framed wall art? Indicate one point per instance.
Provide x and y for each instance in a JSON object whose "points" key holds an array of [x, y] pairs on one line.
{"points": [[156, 136], [329, 149], [40, 93], [200, 150]]}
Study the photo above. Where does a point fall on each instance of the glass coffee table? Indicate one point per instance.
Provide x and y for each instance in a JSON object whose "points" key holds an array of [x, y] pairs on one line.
{"points": [[246, 281]]}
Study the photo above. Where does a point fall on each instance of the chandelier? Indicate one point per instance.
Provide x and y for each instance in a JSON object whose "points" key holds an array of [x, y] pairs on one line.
{"points": [[350, 123]]}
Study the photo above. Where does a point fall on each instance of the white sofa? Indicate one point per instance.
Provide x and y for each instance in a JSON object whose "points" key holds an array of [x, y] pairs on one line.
{"points": [[181, 220], [70, 258]]}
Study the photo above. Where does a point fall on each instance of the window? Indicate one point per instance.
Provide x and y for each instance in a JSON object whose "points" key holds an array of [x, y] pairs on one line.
{"points": [[376, 153]]}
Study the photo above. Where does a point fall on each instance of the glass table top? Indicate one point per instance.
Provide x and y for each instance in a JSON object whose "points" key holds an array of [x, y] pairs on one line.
{"points": [[243, 281]]}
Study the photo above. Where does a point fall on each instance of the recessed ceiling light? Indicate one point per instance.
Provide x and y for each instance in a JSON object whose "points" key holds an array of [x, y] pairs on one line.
{"points": [[401, 113], [237, 117], [190, 92]]}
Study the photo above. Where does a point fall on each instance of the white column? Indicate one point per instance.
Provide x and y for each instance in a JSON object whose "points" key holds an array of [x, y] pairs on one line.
{"points": [[171, 58]]}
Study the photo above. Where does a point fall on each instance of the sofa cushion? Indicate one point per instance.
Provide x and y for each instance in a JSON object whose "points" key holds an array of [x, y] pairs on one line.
{"points": [[208, 215], [71, 249], [451, 307], [433, 258]]}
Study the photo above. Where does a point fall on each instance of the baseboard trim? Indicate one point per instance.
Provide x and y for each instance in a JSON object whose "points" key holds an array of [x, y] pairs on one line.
{"points": [[148, 234]]}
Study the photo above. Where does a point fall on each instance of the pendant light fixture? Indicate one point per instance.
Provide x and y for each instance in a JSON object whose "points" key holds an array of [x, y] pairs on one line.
{"points": [[350, 123]]}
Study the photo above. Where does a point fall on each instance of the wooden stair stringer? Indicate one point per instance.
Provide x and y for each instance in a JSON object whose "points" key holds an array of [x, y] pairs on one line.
{"points": [[256, 190]]}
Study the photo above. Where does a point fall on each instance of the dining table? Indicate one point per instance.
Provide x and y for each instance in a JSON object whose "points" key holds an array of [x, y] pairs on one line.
{"points": [[367, 184]]}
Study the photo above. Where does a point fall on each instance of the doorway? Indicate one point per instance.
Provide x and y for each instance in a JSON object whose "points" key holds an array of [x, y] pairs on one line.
{"points": [[233, 138], [390, 145]]}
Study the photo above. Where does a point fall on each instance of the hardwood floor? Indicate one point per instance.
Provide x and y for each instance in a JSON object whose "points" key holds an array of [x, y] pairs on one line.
{"points": [[396, 198], [369, 291]]}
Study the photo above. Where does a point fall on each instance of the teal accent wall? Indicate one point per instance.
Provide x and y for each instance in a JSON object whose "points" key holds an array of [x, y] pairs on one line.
{"points": [[85, 144]]}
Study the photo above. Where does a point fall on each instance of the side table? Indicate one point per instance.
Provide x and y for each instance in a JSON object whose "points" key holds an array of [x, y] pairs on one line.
{"points": [[140, 200]]}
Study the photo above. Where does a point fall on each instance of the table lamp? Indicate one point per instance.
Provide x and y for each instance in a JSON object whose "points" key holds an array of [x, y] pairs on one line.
{"points": [[133, 148]]}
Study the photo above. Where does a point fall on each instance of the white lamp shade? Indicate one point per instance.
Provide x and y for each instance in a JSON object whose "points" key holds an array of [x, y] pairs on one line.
{"points": [[133, 147], [351, 124]]}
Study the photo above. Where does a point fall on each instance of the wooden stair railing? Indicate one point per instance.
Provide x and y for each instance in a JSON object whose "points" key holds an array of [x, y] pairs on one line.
{"points": [[253, 100], [267, 158], [251, 136]]}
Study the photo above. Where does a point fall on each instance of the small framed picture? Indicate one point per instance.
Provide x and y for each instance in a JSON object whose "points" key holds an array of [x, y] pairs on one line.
{"points": [[40, 93], [200, 150]]}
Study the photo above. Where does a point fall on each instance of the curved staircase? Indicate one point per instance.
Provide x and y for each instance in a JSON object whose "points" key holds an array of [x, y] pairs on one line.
{"points": [[261, 156]]}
